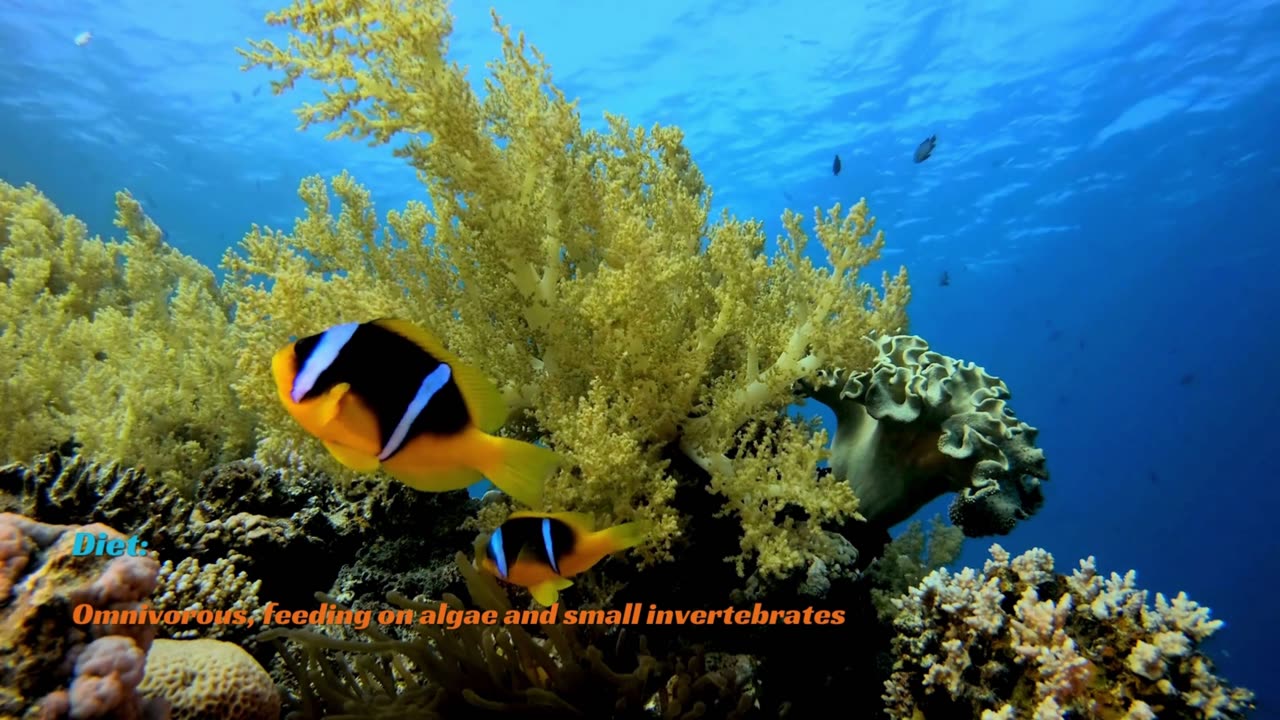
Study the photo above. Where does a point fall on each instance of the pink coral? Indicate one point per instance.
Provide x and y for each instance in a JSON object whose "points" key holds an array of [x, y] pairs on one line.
{"points": [[15, 551], [106, 677]]}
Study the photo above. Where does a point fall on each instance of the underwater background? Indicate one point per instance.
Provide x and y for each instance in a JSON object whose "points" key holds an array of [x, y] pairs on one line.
{"points": [[1102, 203]]}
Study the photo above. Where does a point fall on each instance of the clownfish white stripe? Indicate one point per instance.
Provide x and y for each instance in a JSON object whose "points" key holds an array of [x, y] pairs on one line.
{"points": [[546, 541], [431, 384], [326, 351]]}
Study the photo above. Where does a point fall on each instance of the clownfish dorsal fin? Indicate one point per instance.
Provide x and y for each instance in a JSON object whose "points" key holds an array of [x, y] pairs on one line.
{"points": [[487, 407], [580, 522]]}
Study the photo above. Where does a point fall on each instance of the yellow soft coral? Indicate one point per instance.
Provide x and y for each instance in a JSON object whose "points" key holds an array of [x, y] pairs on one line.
{"points": [[125, 348], [578, 268]]}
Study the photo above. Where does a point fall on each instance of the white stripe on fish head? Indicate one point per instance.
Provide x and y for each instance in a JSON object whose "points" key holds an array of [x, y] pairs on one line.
{"points": [[322, 356]]}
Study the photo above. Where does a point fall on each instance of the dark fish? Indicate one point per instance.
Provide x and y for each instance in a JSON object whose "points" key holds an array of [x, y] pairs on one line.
{"points": [[235, 96], [945, 280], [835, 166], [1187, 379], [926, 148]]}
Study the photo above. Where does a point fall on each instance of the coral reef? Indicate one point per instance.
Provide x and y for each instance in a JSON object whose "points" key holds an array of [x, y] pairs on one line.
{"points": [[113, 346], [918, 424], [217, 585], [1018, 640], [478, 671], [51, 665], [209, 678], [540, 242], [908, 559]]}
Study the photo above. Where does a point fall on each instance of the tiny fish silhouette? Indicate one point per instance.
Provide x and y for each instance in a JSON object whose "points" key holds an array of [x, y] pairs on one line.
{"points": [[835, 166], [1187, 379], [925, 149], [945, 280]]}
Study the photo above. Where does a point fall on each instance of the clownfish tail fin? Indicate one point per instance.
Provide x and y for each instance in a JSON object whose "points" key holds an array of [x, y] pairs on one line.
{"points": [[619, 537], [520, 469]]}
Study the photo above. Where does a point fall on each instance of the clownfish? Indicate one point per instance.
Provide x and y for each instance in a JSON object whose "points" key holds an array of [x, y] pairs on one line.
{"points": [[541, 551], [386, 394]]}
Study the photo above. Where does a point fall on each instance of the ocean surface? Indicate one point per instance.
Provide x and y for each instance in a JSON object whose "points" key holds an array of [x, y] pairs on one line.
{"points": [[1104, 200]]}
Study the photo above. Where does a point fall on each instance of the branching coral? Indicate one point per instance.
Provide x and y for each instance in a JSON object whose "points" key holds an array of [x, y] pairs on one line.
{"points": [[919, 424], [125, 348], [1018, 640], [217, 585], [908, 559], [577, 267], [478, 671]]}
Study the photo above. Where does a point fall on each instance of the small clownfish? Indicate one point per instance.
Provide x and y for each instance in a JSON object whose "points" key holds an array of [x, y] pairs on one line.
{"points": [[541, 551], [386, 394]]}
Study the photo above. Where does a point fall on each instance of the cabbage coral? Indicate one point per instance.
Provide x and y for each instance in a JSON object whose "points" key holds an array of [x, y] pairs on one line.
{"points": [[579, 268]]}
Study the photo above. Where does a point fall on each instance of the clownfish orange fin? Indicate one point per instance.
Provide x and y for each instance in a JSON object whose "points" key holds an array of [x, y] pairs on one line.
{"points": [[331, 404], [548, 592], [352, 458], [485, 404]]}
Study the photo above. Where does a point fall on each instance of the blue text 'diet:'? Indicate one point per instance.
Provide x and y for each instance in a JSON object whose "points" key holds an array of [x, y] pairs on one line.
{"points": [[91, 544]]}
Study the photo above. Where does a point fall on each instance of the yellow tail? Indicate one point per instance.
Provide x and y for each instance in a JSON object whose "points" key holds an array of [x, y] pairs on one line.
{"points": [[520, 469], [618, 537]]}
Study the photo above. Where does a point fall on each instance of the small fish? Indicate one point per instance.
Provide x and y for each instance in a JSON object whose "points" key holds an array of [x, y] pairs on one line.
{"points": [[1187, 379], [235, 96], [925, 148], [541, 551], [386, 395], [83, 38], [835, 166], [945, 280]]}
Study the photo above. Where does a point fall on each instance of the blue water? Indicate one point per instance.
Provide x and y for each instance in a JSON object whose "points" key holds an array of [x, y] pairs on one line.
{"points": [[1103, 198]]}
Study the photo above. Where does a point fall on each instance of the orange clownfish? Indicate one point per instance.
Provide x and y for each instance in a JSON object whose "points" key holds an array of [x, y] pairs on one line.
{"points": [[386, 394], [541, 551]]}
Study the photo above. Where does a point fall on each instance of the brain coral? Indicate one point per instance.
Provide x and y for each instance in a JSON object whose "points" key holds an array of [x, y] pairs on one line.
{"points": [[1017, 640], [918, 424], [208, 678]]}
